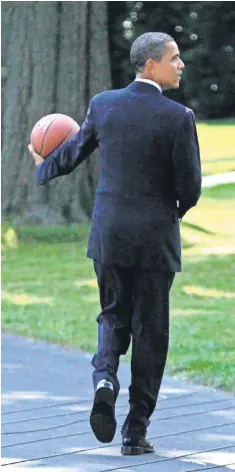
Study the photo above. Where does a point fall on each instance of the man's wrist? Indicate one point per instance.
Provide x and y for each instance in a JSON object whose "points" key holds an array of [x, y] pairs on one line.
{"points": [[38, 161]]}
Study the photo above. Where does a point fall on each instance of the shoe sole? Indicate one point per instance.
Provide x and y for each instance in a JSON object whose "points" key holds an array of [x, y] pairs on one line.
{"points": [[103, 423], [135, 451]]}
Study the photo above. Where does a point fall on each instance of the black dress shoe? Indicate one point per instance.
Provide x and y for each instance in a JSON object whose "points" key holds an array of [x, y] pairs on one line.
{"points": [[131, 447], [102, 418]]}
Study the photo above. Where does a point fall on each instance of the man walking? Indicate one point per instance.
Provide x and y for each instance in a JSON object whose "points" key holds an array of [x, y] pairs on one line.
{"points": [[150, 176]]}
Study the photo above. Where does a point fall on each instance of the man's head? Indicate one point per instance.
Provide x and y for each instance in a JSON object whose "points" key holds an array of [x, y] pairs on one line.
{"points": [[156, 56]]}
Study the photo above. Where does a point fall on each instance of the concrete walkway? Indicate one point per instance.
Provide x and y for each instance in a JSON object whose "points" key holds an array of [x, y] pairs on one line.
{"points": [[47, 396], [218, 179], [46, 400]]}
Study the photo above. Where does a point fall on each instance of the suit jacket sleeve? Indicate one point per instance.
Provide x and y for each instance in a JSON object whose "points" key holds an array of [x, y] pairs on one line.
{"points": [[187, 165], [70, 154]]}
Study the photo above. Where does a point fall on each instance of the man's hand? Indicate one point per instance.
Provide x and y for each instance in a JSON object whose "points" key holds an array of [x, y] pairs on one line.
{"points": [[36, 157]]}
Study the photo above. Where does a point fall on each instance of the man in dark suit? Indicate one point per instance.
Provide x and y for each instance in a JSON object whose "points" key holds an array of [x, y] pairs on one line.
{"points": [[150, 176]]}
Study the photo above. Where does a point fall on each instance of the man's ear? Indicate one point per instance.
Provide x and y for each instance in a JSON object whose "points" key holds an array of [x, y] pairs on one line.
{"points": [[149, 65]]}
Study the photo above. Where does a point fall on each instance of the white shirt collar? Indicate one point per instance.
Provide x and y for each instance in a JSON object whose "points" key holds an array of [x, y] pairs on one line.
{"points": [[151, 82]]}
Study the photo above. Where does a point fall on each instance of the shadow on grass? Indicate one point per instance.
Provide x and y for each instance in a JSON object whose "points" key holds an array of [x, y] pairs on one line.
{"points": [[197, 228], [209, 271], [186, 245], [221, 192], [222, 122], [50, 234]]}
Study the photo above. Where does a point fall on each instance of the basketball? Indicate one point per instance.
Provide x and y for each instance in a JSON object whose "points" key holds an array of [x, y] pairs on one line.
{"points": [[51, 131]]}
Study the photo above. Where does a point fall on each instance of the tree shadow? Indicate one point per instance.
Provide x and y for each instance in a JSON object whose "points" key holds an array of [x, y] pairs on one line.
{"points": [[220, 192], [197, 228]]}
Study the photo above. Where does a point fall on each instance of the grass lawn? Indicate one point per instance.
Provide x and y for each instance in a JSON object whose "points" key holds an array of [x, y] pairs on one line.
{"points": [[50, 291], [216, 139]]}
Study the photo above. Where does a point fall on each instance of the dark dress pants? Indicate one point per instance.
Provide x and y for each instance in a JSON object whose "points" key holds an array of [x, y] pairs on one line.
{"points": [[134, 303]]}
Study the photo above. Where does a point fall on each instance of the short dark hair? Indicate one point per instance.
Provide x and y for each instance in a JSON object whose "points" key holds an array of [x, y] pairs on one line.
{"points": [[148, 46]]}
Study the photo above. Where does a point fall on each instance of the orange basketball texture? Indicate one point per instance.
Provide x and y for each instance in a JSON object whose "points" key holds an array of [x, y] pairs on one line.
{"points": [[51, 131]]}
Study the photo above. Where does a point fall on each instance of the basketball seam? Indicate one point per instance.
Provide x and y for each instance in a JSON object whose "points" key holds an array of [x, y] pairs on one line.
{"points": [[59, 114], [71, 129], [63, 139]]}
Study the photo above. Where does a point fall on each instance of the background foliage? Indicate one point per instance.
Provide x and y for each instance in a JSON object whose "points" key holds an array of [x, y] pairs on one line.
{"points": [[205, 34]]}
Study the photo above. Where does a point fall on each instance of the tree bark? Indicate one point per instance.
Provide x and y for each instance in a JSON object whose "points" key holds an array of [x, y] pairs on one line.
{"points": [[55, 58]]}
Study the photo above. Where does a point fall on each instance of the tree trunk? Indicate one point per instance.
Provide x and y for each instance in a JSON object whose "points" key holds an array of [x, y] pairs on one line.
{"points": [[55, 58]]}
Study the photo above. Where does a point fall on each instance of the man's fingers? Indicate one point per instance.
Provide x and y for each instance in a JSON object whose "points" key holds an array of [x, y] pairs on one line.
{"points": [[36, 157], [31, 150]]}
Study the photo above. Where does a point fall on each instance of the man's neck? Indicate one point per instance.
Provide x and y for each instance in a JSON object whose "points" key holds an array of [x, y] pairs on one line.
{"points": [[149, 81]]}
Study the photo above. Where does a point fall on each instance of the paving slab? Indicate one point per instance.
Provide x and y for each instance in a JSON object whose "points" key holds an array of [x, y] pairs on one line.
{"points": [[47, 395]]}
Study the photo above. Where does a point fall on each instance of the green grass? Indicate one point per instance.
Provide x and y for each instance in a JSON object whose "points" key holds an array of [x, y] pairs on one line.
{"points": [[216, 140], [50, 291], [224, 192], [203, 322]]}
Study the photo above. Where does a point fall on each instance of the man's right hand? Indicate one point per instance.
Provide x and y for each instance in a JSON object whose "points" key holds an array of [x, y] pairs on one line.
{"points": [[36, 157]]}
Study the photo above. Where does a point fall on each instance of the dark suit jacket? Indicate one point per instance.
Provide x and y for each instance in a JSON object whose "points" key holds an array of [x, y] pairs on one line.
{"points": [[149, 160]]}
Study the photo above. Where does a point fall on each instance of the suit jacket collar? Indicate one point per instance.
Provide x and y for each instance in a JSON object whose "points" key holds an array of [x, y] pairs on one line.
{"points": [[151, 82], [142, 87]]}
